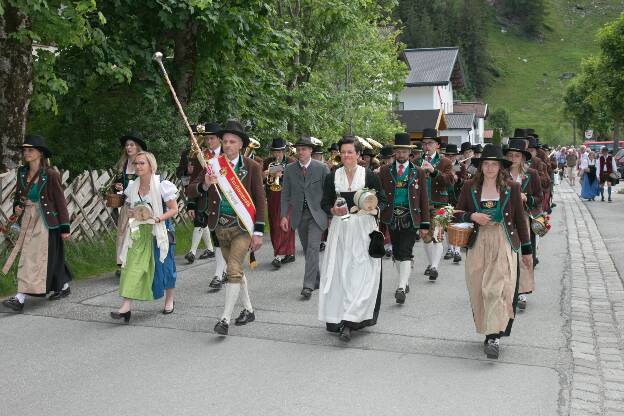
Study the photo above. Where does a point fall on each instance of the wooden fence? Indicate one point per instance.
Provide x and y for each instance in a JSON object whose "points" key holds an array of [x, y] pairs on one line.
{"points": [[90, 218]]}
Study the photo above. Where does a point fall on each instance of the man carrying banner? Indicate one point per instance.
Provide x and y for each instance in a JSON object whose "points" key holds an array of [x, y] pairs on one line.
{"points": [[231, 187]]}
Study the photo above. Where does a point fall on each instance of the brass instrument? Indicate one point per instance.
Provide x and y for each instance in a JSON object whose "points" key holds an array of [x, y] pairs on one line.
{"points": [[272, 180], [253, 145]]}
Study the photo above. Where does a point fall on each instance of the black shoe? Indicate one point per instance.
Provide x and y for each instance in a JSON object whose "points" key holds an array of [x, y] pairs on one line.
{"points": [[553, 205], [345, 334], [118, 273], [207, 254], [433, 274], [427, 270], [245, 317], [216, 283], [609, 200], [306, 293], [62, 294], [190, 257], [522, 302], [388, 253], [166, 311], [276, 263], [492, 349], [322, 247], [448, 255], [288, 259], [224, 277], [125, 316], [457, 258], [13, 303], [399, 296], [602, 199], [222, 327], [535, 263]]}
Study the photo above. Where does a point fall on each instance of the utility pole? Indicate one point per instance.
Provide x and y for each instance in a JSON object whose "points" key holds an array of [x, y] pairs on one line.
{"points": [[574, 132]]}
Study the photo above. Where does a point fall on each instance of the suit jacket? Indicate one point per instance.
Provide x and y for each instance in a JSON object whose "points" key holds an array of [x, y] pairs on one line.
{"points": [[250, 175], [417, 194], [514, 222], [441, 179], [296, 188], [52, 203], [541, 168], [532, 187]]}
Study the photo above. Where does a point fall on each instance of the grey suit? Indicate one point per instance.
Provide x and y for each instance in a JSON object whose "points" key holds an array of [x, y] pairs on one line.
{"points": [[310, 221]]}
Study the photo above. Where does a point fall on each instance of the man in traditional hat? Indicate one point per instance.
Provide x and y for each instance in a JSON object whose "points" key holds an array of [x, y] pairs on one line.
{"points": [[283, 241], [542, 168], [477, 149], [451, 153], [407, 212], [231, 189], [439, 177], [188, 170], [302, 193], [386, 155], [606, 166], [368, 159]]}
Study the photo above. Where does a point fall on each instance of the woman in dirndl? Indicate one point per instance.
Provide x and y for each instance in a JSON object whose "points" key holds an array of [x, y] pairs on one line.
{"points": [[41, 210], [590, 184], [494, 204], [131, 143], [148, 266], [350, 287], [531, 188]]}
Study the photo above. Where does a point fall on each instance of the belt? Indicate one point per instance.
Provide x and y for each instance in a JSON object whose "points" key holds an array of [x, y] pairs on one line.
{"points": [[227, 220], [400, 211]]}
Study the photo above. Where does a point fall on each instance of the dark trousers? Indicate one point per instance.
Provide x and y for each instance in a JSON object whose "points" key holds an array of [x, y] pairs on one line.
{"points": [[310, 237], [403, 243]]}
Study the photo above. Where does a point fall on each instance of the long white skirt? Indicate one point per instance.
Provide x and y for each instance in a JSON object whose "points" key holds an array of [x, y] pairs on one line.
{"points": [[349, 276]]}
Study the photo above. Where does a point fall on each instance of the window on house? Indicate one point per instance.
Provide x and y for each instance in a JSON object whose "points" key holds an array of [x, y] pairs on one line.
{"points": [[401, 106]]}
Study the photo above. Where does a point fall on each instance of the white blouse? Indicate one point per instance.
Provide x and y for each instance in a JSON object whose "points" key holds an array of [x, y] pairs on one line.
{"points": [[168, 191], [342, 183]]}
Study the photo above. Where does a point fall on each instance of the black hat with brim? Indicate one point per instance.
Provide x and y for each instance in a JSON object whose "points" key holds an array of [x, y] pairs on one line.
{"points": [[491, 152], [278, 144], [136, 137], [236, 128], [305, 141], [36, 142], [518, 144], [402, 141], [418, 147], [333, 147], [318, 150], [431, 134], [387, 152], [477, 148], [532, 143], [368, 152], [521, 132], [451, 149], [465, 146]]}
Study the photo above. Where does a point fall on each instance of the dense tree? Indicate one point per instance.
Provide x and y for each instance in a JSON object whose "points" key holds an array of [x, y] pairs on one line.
{"points": [[499, 119], [527, 14]]}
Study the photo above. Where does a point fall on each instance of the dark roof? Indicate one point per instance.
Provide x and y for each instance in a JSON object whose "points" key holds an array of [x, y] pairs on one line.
{"points": [[418, 120], [433, 66], [462, 121], [480, 109]]}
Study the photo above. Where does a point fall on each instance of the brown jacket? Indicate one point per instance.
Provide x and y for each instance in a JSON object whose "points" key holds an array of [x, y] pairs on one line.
{"points": [[208, 201], [514, 222], [53, 206], [532, 187], [417, 194], [441, 179], [541, 168]]}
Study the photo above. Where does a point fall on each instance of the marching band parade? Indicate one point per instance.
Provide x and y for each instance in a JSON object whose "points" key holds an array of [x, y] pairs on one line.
{"points": [[358, 205]]}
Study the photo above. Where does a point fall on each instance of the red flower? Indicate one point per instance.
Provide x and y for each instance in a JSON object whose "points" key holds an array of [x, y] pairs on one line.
{"points": [[441, 211], [547, 217], [548, 226]]}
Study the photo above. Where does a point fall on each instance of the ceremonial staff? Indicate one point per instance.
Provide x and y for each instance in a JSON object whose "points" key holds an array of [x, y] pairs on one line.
{"points": [[200, 156]]}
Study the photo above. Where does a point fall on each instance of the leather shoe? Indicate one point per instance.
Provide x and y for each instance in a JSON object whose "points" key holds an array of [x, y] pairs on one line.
{"points": [[125, 316], [13, 303], [399, 296], [306, 293], [207, 254], [216, 283], [288, 259], [457, 258], [428, 270], [58, 295], [166, 311], [448, 255], [345, 334], [276, 263], [433, 274], [190, 257], [222, 327], [245, 317]]}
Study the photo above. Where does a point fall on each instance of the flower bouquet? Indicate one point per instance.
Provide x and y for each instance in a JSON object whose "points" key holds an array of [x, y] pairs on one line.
{"points": [[440, 221], [540, 224]]}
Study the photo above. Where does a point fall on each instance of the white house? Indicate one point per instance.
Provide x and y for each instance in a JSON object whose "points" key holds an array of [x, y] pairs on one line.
{"points": [[481, 111], [460, 128]]}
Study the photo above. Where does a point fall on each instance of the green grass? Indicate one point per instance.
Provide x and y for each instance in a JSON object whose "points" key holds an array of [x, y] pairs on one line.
{"points": [[90, 259], [532, 92]]}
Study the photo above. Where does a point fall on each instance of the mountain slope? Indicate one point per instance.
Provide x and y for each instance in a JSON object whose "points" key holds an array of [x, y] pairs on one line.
{"points": [[534, 74]]}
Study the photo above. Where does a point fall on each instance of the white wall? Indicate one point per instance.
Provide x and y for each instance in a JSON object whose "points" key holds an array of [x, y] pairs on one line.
{"points": [[456, 136], [479, 131], [418, 98]]}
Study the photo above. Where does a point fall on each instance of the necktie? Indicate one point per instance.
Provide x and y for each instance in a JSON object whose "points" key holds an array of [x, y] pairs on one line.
{"points": [[428, 158], [401, 170], [304, 170]]}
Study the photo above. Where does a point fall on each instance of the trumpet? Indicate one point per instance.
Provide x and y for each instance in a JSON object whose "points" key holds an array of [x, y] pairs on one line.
{"points": [[253, 145], [272, 180]]}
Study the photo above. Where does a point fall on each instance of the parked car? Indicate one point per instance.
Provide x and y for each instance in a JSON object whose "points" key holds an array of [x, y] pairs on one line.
{"points": [[619, 160]]}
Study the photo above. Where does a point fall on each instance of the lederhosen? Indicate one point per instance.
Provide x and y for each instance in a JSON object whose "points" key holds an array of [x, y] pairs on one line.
{"points": [[401, 227]]}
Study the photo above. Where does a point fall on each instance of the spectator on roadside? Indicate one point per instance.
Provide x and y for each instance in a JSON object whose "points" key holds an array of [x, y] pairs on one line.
{"points": [[561, 155], [571, 160]]}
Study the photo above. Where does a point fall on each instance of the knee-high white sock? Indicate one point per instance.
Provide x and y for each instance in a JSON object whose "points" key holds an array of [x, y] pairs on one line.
{"points": [[220, 263], [455, 249], [65, 286], [197, 234], [437, 249], [245, 295], [405, 268], [428, 248], [207, 239], [537, 240], [20, 297], [231, 296]]}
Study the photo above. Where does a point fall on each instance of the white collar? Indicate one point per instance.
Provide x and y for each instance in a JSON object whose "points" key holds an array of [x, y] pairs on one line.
{"points": [[235, 161], [306, 165]]}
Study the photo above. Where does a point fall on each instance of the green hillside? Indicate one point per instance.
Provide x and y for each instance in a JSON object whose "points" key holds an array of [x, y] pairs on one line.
{"points": [[531, 91]]}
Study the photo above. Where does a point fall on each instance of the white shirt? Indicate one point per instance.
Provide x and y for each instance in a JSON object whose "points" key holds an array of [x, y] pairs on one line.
{"points": [[584, 163], [307, 165], [405, 166]]}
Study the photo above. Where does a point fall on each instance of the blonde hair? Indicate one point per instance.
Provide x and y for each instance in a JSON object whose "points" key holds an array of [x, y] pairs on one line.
{"points": [[151, 160]]}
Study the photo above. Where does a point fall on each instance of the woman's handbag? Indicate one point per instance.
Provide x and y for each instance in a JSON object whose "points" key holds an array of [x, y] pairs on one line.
{"points": [[376, 247]]}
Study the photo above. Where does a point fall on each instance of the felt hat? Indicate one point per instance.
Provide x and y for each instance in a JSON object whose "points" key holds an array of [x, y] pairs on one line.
{"points": [[492, 152], [37, 142], [451, 149], [305, 141], [477, 148], [402, 140], [278, 144], [518, 144], [386, 152], [334, 146], [136, 137], [465, 146], [430, 134], [234, 127]]}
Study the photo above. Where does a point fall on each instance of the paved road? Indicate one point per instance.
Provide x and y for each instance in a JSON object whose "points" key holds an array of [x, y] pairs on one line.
{"points": [[423, 358]]}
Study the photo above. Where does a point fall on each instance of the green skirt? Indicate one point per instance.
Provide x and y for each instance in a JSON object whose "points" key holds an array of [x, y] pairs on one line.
{"points": [[138, 274]]}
